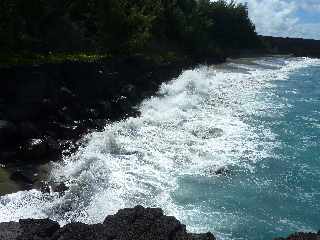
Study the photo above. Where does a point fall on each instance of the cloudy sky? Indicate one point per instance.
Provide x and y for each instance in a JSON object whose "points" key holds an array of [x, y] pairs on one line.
{"points": [[292, 18]]}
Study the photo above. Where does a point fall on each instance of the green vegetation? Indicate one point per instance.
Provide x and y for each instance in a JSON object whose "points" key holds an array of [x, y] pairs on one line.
{"points": [[30, 30], [33, 58]]}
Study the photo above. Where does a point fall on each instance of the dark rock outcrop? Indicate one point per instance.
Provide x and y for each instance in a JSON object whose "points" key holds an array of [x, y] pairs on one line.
{"points": [[43, 107], [138, 223], [39, 149], [302, 236], [19, 176], [8, 132], [296, 46], [223, 171]]}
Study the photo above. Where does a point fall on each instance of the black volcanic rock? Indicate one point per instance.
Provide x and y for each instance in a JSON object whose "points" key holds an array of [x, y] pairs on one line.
{"points": [[34, 149], [8, 132], [37, 229], [10, 231], [19, 176], [60, 188], [28, 130], [39, 149], [137, 223], [302, 236], [81, 231], [65, 100]]}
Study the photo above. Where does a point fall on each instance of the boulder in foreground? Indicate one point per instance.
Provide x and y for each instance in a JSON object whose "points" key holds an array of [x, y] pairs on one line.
{"points": [[137, 223]]}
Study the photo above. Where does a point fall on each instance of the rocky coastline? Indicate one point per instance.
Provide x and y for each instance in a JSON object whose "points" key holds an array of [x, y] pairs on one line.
{"points": [[45, 109], [137, 223], [297, 46]]}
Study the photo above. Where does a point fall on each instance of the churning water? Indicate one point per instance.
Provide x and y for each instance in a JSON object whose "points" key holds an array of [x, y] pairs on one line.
{"points": [[256, 121]]}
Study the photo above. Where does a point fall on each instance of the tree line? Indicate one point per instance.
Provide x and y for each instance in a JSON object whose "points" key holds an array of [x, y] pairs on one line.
{"points": [[124, 26]]}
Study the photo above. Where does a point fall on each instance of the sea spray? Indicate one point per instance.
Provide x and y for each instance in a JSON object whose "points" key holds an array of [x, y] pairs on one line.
{"points": [[169, 157]]}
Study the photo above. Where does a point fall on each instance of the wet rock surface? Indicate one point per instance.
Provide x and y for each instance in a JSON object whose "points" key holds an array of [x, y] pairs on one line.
{"points": [[302, 236], [46, 109], [138, 223]]}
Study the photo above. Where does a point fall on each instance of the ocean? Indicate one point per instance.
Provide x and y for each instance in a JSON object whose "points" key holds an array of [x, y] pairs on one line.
{"points": [[233, 149]]}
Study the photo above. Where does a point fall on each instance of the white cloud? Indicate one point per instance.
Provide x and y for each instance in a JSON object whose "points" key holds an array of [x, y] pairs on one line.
{"points": [[273, 17], [307, 30], [279, 17], [310, 6]]}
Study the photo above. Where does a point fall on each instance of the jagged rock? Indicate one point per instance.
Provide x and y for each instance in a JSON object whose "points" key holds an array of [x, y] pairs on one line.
{"points": [[103, 108], [53, 147], [39, 149], [129, 91], [65, 115], [49, 187], [81, 231], [137, 223], [224, 171], [145, 223], [34, 149], [37, 229], [302, 236], [48, 107], [7, 156], [28, 130], [215, 132], [63, 131], [92, 113], [62, 92], [60, 188], [205, 236], [44, 187], [66, 94], [19, 176], [8, 132], [10, 231]]}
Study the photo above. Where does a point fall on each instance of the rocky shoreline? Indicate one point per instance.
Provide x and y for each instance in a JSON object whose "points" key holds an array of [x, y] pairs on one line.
{"points": [[44, 112], [46, 109], [137, 223]]}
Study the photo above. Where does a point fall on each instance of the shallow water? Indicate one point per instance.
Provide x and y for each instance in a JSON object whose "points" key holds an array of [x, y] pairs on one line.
{"points": [[258, 118]]}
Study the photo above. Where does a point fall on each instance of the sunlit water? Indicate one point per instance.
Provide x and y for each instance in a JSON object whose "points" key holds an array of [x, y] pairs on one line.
{"points": [[259, 118]]}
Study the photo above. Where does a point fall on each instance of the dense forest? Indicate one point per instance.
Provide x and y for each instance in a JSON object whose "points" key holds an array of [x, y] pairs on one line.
{"points": [[124, 26]]}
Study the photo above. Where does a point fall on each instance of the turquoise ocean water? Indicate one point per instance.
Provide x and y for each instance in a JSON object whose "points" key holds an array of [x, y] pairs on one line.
{"points": [[257, 119], [282, 192]]}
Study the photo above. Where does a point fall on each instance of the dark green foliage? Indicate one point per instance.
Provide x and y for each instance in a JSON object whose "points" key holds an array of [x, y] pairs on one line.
{"points": [[125, 26], [199, 27]]}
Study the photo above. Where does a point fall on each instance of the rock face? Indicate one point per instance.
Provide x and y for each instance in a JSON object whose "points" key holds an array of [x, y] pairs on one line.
{"points": [[8, 132], [45, 109], [302, 236], [138, 223]]}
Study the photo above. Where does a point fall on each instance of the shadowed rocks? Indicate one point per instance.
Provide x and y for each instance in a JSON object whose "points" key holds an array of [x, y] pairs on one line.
{"points": [[8, 132], [302, 236], [137, 223], [45, 109]]}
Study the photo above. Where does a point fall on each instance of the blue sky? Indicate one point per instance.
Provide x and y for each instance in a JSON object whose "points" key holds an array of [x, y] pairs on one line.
{"points": [[286, 18]]}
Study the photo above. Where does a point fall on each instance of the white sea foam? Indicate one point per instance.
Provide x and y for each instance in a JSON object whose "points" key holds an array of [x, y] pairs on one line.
{"points": [[197, 122]]}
